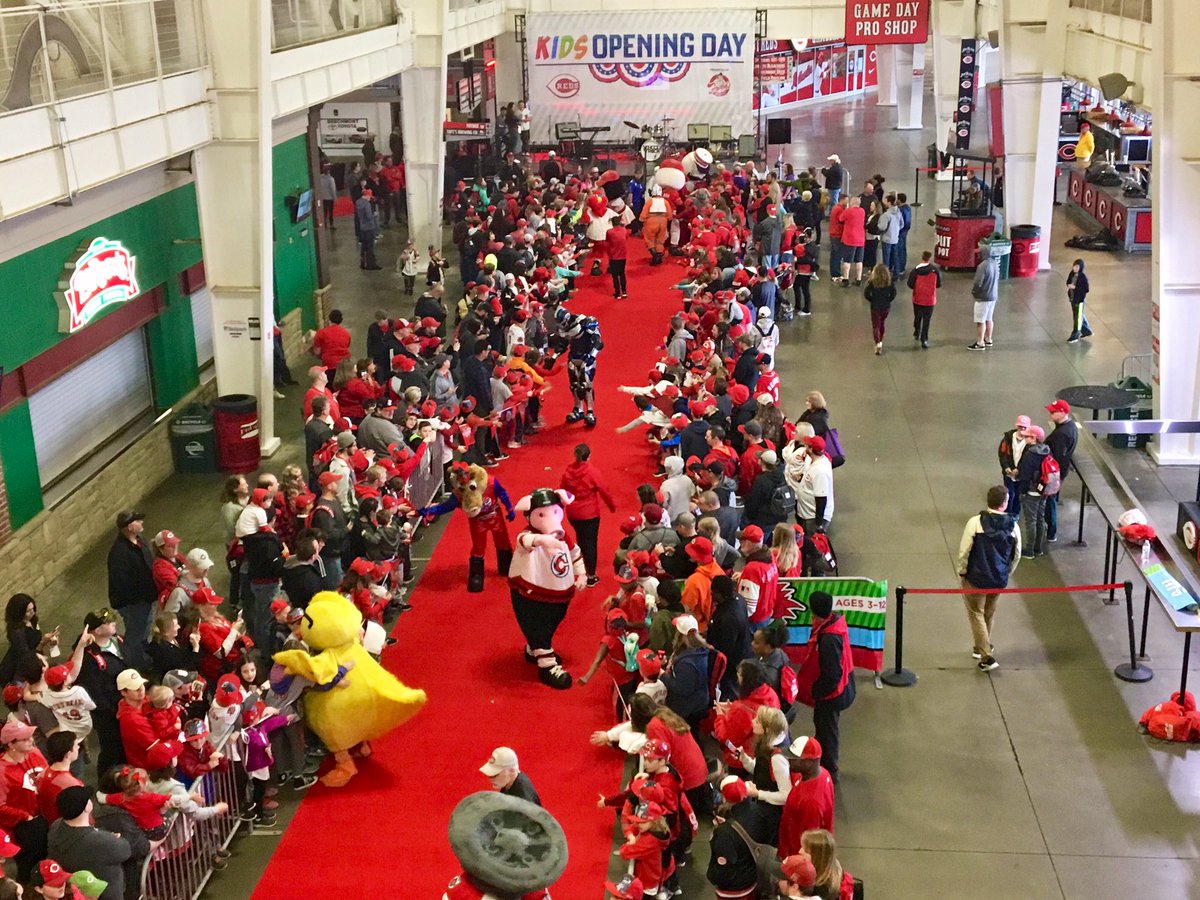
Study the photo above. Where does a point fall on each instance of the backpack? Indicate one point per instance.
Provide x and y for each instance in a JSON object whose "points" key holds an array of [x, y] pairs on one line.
{"points": [[820, 560], [783, 501], [766, 862], [789, 686], [1051, 476]]}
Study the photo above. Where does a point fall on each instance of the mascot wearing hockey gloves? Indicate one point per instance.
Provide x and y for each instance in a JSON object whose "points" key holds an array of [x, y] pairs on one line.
{"points": [[582, 336], [547, 569], [481, 497]]}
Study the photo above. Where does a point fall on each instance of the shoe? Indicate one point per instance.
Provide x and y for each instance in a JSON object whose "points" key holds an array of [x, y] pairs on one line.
{"points": [[805, 313], [988, 663], [814, 277], [265, 820], [916, 337], [372, 268], [589, 420], [845, 282], [249, 814], [555, 676], [575, 415], [879, 348], [976, 346], [858, 283], [1087, 332], [1051, 540], [501, 455], [924, 345], [987, 343], [1074, 338], [1026, 556], [593, 581], [278, 394], [303, 782], [977, 655], [512, 445], [218, 863], [490, 463]]}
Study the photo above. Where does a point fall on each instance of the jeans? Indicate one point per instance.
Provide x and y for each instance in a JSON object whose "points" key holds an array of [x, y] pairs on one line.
{"points": [[1014, 497], [1051, 517], [835, 256], [902, 253], [921, 317], [1033, 525], [256, 610], [834, 193], [891, 259], [803, 293], [137, 632], [333, 570], [981, 609], [870, 255]]}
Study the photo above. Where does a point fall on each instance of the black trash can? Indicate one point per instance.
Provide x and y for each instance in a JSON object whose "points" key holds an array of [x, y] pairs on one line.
{"points": [[193, 441]]}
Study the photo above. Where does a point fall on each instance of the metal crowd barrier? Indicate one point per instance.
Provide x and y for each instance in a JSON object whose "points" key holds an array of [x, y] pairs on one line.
{"points": [[181, 867]]}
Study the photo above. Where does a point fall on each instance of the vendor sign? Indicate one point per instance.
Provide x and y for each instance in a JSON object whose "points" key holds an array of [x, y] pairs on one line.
{"points": [[887, 22]]}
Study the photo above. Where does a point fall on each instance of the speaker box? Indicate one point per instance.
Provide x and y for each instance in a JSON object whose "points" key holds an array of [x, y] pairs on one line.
{"points": [[779, 131], [1187, 527]]}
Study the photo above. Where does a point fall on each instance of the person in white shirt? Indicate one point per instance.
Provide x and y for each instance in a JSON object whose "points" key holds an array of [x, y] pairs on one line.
{"points": [[524, 123], [814, 496], [678, 489]]}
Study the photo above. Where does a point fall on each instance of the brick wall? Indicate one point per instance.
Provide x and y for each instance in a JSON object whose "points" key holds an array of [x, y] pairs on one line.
{"points": [[5, 523], [40, 550]]}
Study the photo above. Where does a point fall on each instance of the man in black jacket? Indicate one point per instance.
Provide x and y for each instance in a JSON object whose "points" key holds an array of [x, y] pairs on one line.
{"points": [[103, 659], [732, 869], [745, 370], [264, 565], [131, 587], [729, 631], [1061, 441], [760, 507], [75, 843], [378, 333], [431, 305], [330, 519], [303, 573]]}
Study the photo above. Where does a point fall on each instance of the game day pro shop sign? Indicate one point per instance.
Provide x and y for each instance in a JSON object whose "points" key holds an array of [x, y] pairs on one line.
{"points": [[600, 69], [887, 22]]}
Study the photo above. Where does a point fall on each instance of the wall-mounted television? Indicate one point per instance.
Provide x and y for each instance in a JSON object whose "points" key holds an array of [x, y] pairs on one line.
{"points": [[303, 206]]}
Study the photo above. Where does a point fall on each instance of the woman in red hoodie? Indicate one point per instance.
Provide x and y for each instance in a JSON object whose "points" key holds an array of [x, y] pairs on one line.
{"points": [[582, 479], [733, 725]]}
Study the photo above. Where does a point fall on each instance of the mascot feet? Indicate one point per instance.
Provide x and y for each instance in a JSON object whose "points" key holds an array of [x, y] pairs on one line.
{"points": [[550, 671], [475, 575], [531, 656], [590, 420], [343, 770], [575, 415], [503, 561], [363, 750]]}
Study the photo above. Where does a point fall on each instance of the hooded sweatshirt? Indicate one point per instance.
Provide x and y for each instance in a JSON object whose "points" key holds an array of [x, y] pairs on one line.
{"points": [[678, 489], [583, 480], [697, 593]]}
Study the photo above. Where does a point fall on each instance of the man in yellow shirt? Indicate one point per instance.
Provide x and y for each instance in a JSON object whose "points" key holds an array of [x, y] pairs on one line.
{"points": [[1085, 146]]}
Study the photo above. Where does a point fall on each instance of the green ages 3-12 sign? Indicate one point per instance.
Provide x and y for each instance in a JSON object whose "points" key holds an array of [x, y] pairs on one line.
{"points": [[101, 274]]}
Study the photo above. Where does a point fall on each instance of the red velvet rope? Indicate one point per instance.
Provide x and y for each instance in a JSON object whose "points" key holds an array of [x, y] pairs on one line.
{"points": [[1065, 589]]}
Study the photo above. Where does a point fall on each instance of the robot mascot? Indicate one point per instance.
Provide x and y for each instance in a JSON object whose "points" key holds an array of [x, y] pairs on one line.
{"points": [[509, 849], [546, 571], [579, 335], [481, 497]]}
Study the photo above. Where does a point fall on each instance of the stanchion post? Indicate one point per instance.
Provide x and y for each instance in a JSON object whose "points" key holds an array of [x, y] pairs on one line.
{"points": [[1133, 670], [1083, 498], [916, 201], [899, 676], [1108, 552], [1145, 622]]}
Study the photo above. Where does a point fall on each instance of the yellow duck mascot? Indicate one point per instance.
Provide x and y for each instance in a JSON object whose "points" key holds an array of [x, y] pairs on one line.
{"points": [[365, 701]]}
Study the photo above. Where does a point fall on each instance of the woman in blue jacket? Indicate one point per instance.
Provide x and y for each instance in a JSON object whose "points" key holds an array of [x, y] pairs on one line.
{"points": [[687, 673]]}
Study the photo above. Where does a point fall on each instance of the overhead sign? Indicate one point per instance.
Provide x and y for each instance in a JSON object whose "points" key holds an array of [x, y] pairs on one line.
{"points": [[100, 275], [887, 22], [603, 69]]}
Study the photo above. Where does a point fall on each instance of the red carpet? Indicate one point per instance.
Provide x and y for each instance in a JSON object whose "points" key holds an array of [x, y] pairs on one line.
{"points": [[385, 833]]}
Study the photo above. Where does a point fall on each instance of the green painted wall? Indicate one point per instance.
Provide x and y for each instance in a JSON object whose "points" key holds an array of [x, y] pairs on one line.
{"points": [[172, 342], [29, 281], [22, 481], [295, 248]]}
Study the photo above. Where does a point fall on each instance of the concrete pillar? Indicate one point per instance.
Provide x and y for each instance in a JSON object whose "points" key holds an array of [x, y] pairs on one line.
{"points": [[1032, 55], [910, 77], [422, 111], [1176, 281], [233, 191], [886, 71]]}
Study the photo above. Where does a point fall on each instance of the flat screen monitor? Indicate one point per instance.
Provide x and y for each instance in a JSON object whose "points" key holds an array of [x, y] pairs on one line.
{"points": [[303, 206]]}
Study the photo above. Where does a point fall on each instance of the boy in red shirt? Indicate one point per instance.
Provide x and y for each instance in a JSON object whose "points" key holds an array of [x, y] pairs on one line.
{"points": [[332, 343]]}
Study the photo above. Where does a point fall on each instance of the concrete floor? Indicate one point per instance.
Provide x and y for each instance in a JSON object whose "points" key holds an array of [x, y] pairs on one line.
{"points": [[1030, 782]]}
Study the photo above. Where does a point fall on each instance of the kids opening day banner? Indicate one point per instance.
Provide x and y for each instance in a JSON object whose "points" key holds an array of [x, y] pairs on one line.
{"points": [[601, 69]]}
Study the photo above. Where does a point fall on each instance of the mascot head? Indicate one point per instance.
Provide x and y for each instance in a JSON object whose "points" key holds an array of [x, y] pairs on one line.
{"points": [[545, 508], [597, 204], [696, 163], [670, 175], [507, 846], [468, 483], [330, 620]]}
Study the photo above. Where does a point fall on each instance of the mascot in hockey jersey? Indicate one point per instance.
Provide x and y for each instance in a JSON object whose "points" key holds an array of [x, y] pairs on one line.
{"points": [[486, 505], [580, 336], [546, 571]]}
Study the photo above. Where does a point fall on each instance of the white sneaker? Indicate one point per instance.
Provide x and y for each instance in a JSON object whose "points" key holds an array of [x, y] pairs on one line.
{"points": [[278, 395], [814, 277]]}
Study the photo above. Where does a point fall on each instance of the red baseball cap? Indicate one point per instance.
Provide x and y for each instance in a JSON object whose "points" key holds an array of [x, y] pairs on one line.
{"points": [[733, 789], [279, 605], [805, 747], [655, 749], [628, 888], [8, 847], [1061, 406], [799, 870], [631, 524], [207, 596], [649, 663], [328, 478], [815, 442], [56, 676], [751, 533], [699, 549], [52, 874]]}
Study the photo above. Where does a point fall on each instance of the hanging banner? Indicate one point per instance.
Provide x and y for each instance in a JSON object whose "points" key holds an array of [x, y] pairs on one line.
{"points": [[965, 109], [862, 601], [888, 22], [602, 69]]}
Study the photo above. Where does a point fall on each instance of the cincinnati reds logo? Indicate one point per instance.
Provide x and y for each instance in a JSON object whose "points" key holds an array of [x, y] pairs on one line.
{"points": [[564, 86], [718, 85], [560, 564]]}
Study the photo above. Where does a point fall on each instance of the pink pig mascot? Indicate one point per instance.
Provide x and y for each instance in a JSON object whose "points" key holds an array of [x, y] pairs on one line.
{"points": [[546, 571]]}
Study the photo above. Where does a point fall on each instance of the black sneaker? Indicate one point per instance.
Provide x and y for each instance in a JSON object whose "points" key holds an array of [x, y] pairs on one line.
{"points": [[593, 581], [924, 345], [1073, 338], [1087, 332], [265, 820], [987, 343], [250, 813], [988, 663], [303, 782], [976, 346]]}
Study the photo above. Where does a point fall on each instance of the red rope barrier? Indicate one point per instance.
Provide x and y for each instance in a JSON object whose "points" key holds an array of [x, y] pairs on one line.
{"points": [[1065, 589]]}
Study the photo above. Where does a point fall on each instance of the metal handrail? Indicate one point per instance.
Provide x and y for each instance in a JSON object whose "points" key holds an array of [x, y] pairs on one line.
{"points": [[299, 22], [51, 53]]}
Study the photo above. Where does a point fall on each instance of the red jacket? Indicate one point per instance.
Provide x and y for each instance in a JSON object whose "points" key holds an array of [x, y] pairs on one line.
{"points": [[355, 393], [332, 344], [737, 725], [614, 241], [143, 748], [854, 227], [686, 755], [758, 585], [18, 799], [835, 630], [809, 805], [583, 480], [836, 218]]}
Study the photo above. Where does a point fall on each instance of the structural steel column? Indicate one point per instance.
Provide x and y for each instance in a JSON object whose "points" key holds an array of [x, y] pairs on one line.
{"points": [[1032, 55], [1175, 74], [422, 111], [233, 191]]}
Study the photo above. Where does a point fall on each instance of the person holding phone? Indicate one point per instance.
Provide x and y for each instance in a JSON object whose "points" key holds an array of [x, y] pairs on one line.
{"points": [[222, 644]]}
